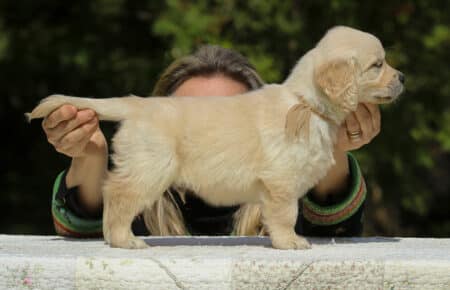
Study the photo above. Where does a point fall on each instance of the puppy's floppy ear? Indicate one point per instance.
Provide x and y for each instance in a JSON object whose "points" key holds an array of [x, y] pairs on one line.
{"points": [[338, 80]]}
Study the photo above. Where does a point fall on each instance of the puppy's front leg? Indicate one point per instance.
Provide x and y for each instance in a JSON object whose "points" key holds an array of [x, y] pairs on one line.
{"points": [[280, 210]]}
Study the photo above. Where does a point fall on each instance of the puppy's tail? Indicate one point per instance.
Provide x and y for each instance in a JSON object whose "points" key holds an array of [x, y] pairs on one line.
{"points": [[112, 109]]}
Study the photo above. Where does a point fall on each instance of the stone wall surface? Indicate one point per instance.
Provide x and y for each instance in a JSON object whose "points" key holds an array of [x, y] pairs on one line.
{"points": [[53, 262]]}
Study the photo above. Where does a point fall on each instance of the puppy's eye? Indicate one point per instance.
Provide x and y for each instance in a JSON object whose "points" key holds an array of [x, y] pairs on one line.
{"points": [[378, 64]]}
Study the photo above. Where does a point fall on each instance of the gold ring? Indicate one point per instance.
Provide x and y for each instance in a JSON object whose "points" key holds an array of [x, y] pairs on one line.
{"points": [[354, 135]]}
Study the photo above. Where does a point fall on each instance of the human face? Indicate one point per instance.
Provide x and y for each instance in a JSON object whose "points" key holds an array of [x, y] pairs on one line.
{"points": [[215, 85]]}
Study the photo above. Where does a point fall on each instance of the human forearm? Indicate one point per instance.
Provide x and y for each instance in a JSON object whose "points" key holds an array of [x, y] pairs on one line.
{"points": [[365, 122], [336, 179], [87, 173], [76, 134]]}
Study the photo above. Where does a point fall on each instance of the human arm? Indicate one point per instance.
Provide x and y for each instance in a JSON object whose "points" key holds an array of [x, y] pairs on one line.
{"points": [[333, 199], [76, 134]]}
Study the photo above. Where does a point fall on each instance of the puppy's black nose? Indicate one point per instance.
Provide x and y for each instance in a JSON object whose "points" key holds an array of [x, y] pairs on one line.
{"points": [[401, 77]]}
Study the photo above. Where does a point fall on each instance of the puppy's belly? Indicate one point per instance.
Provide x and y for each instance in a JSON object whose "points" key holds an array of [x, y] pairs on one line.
{"points": [[224, 190], [230, 196]]}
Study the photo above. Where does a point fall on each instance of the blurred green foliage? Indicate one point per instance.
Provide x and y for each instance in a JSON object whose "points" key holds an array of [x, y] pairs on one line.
{"points": [[114, 47]]}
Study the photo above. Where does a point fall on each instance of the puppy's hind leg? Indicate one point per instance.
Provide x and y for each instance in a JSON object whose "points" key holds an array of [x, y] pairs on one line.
{"points": [[122, 202], [126, 194]]}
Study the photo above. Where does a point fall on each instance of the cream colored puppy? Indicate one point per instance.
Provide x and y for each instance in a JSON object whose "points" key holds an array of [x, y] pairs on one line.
{"points": [[268, 146]]}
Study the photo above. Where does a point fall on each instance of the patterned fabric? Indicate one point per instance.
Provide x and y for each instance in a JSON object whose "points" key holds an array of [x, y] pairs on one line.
{"points": [[342, 217], [65, 221], [333, 214]]}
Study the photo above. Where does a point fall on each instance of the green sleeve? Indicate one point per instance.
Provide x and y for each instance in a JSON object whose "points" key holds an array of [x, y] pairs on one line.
{"points": [[327, 215], [66, 222]]}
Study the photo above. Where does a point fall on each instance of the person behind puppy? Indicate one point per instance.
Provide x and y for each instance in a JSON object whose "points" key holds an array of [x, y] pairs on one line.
{"points": [[332, 208]]}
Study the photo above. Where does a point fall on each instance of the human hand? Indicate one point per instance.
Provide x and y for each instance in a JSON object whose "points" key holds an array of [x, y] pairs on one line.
{"points": [[74, 132], [359, 128]]}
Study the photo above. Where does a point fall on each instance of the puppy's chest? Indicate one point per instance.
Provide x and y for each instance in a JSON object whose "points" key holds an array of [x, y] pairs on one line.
{"points": [[310, 159]]}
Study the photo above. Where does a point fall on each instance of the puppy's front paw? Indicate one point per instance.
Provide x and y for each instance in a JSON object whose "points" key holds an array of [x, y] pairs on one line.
{"points": [[106, 236], [137, 243], [131, 243], [290, 241]]}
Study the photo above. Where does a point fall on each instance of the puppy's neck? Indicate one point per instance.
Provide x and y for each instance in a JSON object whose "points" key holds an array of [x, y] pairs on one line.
{"points": [[301, 83]]}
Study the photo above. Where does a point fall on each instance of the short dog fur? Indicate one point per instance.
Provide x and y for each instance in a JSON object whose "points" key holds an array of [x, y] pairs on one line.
{"points": [[268, 146]]}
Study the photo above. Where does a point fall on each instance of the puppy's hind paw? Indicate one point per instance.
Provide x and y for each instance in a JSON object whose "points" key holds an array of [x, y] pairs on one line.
{"points": [[291, 242]]}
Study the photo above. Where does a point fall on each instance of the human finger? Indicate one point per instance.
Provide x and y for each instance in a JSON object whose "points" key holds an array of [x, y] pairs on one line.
{"points": [[82, 117], [63, 113], [365, 122], [353, 128], [79, 136], [375, 115], [54, 135]]}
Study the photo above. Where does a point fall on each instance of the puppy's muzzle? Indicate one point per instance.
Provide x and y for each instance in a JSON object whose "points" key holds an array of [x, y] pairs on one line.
{"points": [[395, 87]]}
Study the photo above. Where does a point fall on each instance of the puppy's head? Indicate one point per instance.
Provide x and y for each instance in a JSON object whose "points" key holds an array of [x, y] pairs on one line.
{"points": [[350, 67]]}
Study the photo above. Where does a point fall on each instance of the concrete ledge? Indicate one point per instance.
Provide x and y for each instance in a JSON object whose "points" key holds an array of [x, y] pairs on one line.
{"points": [[52, 262]]}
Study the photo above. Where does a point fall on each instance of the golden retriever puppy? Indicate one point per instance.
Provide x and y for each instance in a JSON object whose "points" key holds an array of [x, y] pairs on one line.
{"points": [[268, 146]]}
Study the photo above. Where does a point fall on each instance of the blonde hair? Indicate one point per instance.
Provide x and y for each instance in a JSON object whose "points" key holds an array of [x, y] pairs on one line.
{"points": [[165, 217]]}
